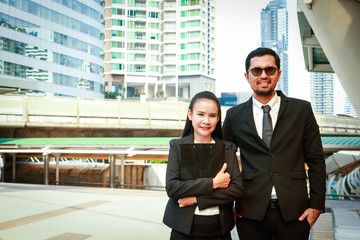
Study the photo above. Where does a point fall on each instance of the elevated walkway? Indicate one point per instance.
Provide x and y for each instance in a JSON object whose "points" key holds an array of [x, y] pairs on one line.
{"points": [[50, 117], [39, 212]]}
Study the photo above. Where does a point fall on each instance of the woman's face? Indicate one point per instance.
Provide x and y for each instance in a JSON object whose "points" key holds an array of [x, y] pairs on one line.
{"points": [[204, 117]]}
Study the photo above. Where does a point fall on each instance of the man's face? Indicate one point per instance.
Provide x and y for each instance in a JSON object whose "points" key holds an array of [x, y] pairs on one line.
{"points": [[264, 84]]}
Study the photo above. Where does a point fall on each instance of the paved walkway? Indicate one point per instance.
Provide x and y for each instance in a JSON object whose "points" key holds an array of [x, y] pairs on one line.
{"points": [[60, 212], [40, 212]]}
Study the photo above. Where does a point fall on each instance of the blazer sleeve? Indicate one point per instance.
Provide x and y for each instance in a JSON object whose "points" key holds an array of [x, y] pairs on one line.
{"points": [[234, 191], [177, 188], [314, 158]]}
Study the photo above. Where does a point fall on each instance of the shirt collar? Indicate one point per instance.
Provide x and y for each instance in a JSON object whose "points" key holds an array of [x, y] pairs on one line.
{"points": [[274, 103], [212, 141]]}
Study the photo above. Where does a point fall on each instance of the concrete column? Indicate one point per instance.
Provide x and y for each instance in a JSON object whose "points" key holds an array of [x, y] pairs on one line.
{"points": [[46, 169], [57, 175], [122, 171], [13, 168], [111, 171], [177, 89]]}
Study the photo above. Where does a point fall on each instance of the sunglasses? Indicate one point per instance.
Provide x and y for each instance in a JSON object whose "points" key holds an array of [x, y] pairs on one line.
{"points": [[256, 71]]}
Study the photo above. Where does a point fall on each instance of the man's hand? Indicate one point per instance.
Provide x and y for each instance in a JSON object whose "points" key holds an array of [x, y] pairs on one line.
{"points": [[187, 201], [222, 179], [311, 215]]}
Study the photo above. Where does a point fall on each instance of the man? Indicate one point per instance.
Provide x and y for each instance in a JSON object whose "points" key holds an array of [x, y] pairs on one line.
{"points": [[276, 203]]}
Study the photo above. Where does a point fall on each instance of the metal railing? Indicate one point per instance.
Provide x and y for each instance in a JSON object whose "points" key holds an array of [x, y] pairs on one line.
{"points": [[22, 111], [99, 113]]}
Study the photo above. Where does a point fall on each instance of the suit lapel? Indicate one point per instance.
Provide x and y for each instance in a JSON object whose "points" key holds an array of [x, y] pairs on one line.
{"points": [[188, 139], [283, 105], [250, 120]]}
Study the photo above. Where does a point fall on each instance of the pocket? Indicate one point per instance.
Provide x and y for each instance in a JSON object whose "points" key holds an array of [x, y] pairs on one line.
{"points": [[298, 175]]}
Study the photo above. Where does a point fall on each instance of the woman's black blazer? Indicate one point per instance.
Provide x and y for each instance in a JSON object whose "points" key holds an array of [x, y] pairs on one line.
{"points": [[181, 219]]}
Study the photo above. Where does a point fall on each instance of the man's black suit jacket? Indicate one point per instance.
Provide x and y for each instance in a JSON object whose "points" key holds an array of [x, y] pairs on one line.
{"points": [[181, 219], [295, 141]]}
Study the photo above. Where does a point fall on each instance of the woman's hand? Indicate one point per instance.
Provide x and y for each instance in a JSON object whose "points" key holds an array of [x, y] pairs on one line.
{"points": [[187, 201], [222, 179]]}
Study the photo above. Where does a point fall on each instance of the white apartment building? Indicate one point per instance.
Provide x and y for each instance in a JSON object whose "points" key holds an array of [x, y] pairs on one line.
{"points": [[159, 48]]}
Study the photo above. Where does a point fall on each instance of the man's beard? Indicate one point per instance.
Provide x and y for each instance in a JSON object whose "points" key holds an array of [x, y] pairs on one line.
{"points": [[264, 92]]}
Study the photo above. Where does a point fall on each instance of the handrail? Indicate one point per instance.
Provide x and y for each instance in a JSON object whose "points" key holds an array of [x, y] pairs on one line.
{"points": [[106, 113]]}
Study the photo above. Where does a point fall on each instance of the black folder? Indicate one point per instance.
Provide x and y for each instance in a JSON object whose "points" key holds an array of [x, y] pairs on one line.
{"points": [[201, 160]]}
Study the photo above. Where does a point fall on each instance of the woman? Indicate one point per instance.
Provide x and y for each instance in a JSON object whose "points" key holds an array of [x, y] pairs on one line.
{"points": [[202, 208]]}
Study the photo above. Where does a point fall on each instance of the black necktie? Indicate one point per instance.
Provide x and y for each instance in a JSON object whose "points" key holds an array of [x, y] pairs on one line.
{"points": [[267, 125]]}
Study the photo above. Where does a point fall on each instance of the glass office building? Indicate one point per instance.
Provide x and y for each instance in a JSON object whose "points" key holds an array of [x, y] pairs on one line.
{"points": [[348, 108], [234, 98], [322, 92], [275, 35], [52, 48], [159, 48]]}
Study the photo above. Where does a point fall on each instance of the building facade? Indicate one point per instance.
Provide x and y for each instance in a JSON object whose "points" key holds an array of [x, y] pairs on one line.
{"points": [[52, 48], [159, 48], [322, 92], [234, 98], [348, 108], [275, 35]]}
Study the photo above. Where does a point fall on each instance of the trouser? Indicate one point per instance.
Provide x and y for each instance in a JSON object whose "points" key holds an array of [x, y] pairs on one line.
{"points": [[203, 228], [272, 227]]}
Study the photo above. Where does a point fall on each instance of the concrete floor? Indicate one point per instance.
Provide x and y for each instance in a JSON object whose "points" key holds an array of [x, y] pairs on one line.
{"points": [[39, 212], [57, 212]]}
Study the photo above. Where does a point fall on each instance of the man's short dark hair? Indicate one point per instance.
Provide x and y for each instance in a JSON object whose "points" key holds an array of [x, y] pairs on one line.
{"points": [[261, 52]]}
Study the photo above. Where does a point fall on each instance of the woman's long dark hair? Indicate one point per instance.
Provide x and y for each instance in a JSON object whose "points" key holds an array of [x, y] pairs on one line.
{"points": [[189, 129]]}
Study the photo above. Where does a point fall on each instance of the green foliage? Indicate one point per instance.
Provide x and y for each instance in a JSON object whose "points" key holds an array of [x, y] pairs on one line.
{"points": [[114, 95], [111, 95], [160, 94]]}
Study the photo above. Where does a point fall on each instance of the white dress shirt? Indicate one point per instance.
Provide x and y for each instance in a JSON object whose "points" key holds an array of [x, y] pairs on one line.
{"points": [[258, 113]]}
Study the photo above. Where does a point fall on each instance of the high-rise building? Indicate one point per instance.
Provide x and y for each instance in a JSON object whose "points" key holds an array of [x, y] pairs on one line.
{"points": [[274, 35], [348, 108], [52, 47], [322, 92], [159, 48]]}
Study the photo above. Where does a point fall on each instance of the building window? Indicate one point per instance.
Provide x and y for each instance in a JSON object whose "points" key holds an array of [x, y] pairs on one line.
{"points": [[117, 22], [190, 56], [118, 33], [154, 4], [118, 11], [154, 36], [117, 55], [190, 24], [185, 35], [190, 67], [190, 2], [131, 13], [153, 46], [117, 66], [153, 25], [118, 1], [190, 13], [153, 14], [153, 58], [135, 68], [153, 69], [115, 44]]}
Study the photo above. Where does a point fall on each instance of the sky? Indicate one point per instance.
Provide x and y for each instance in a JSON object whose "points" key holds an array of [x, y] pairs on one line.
{"points": [[238, 33]]}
